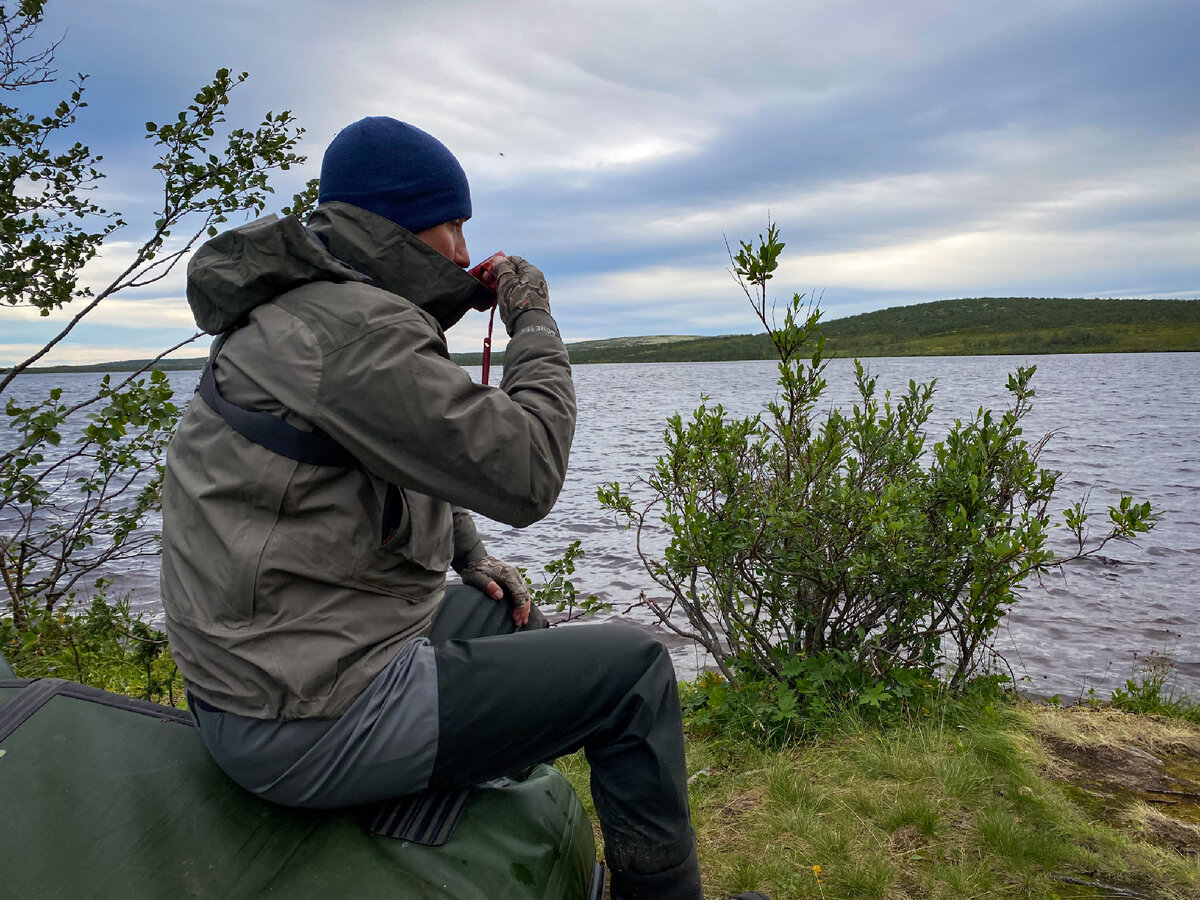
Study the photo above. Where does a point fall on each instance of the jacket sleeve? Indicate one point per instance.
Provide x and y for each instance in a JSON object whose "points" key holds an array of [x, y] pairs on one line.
{"points": [[396, 401], [468, 546]]}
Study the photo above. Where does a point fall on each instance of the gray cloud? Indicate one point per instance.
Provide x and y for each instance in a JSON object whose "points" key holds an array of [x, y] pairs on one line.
{"points": [[910, 151]]}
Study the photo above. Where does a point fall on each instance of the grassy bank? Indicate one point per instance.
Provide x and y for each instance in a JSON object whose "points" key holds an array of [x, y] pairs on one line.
{"points": [[1003, 799]]}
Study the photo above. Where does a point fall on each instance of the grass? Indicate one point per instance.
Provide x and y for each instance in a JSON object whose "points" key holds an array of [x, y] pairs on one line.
{"points": [[978, 805]]}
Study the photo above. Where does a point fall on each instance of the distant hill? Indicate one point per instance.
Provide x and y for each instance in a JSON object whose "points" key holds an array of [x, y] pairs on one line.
{"points": [[1019, 325], [192, 363], [981, 326]]}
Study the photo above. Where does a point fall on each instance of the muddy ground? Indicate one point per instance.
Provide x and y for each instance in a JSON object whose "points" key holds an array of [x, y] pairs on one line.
{"points": [[1138, 773]]}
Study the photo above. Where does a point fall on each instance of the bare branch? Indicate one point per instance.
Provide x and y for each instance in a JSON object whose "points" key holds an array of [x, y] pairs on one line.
{"points": [[20, 68]]}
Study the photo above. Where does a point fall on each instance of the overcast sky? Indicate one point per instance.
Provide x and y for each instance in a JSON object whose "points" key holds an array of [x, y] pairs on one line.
{"points": [[909, 151]]}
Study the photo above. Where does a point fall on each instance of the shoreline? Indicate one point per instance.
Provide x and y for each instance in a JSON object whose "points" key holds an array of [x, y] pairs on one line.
{"points": [[472, 360]]}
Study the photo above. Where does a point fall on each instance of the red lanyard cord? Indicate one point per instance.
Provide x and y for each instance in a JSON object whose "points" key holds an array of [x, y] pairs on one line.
{"points": [[487, 347]]}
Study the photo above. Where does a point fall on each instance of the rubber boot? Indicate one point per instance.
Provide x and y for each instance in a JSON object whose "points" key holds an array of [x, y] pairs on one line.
{"points": [[681, 882]]}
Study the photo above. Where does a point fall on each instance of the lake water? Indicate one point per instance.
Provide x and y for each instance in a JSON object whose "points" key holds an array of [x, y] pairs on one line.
{"points": [[1121, 422]]}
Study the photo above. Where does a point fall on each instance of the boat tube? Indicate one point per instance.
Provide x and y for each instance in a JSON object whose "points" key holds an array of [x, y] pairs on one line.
{"points": [[105, 796]]}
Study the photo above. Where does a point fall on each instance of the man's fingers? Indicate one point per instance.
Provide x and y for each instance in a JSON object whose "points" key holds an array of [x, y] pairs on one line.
{"points": [[497, 579], [504, 266]]}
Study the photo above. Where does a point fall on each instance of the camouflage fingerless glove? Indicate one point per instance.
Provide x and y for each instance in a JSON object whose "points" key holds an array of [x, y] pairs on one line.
{"points": [[520, 286], [480, 572]]}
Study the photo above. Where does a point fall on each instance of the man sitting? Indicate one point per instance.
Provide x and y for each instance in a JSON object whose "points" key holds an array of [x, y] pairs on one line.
{"points": [[316, 493]]}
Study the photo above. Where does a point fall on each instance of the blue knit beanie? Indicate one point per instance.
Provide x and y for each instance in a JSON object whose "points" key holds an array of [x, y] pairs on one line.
{"points": [[396, 171]]}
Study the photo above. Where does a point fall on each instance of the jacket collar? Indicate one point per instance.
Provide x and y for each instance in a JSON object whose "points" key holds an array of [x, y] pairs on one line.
{"points": [[393, 259]]}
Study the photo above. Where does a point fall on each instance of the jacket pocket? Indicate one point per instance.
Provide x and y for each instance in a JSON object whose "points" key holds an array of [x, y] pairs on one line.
{"points": [[416, 530], [394, 524]]}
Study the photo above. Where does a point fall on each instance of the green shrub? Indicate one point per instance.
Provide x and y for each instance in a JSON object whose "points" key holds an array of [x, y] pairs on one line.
{"points": [[558, 592], [826, 558], [103, 644], [1150, 691], [70, 511]]}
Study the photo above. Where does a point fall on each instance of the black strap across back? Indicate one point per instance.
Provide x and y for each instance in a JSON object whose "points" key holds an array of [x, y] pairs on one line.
{"points": [[268, 430]]}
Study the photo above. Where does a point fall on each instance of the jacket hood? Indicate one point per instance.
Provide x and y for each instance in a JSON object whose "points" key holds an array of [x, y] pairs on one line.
{"points": [[247, 266]]}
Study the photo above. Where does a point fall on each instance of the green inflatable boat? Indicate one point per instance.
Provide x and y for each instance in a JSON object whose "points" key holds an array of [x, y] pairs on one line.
{"points": [[108, 797]]}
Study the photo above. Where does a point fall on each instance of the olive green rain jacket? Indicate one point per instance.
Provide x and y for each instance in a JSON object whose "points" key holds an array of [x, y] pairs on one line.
{"points": [[288, 586]]}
